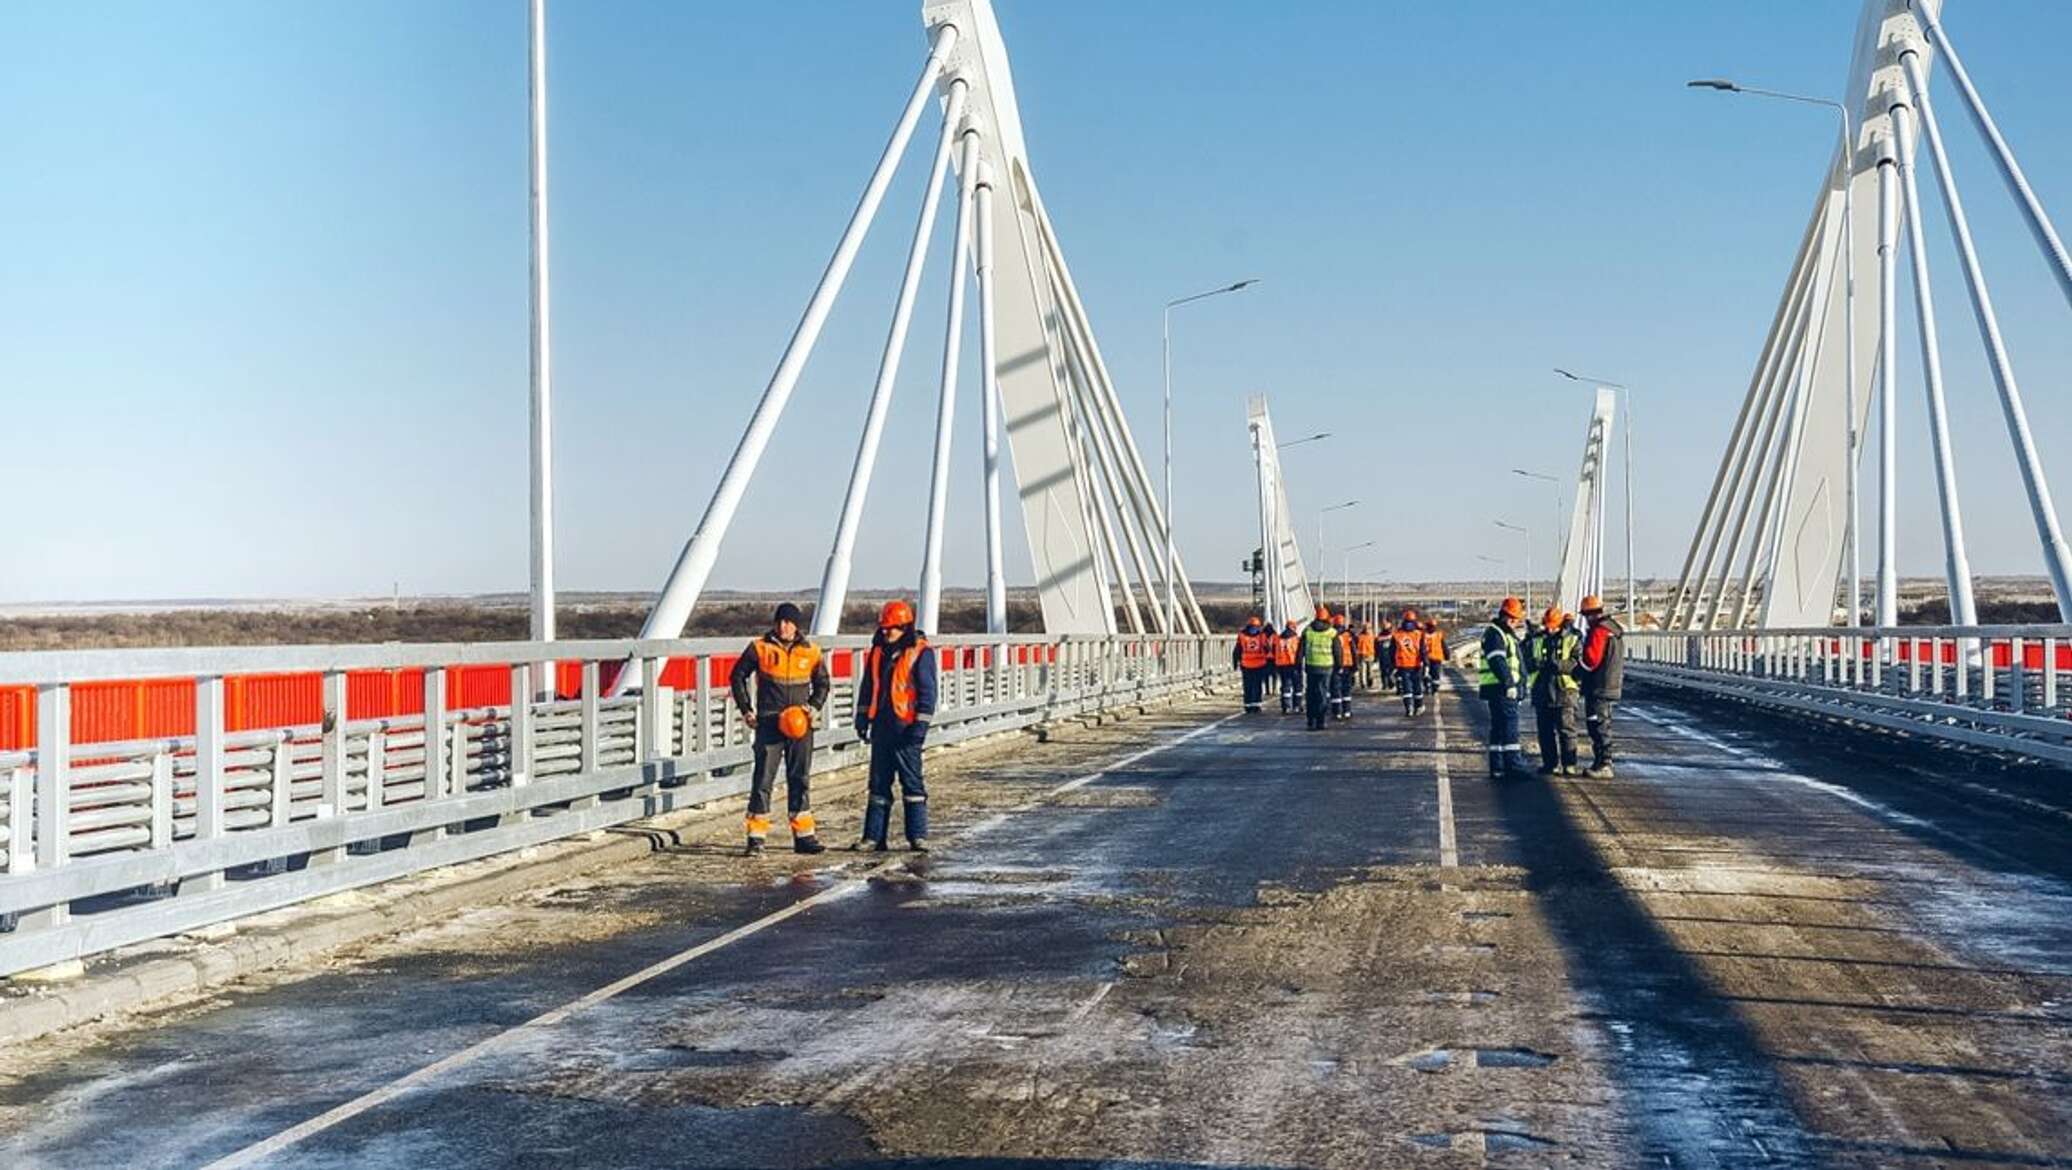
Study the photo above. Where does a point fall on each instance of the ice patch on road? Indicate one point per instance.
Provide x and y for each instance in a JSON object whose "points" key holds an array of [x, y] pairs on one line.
{"points": [[1774, 769]]}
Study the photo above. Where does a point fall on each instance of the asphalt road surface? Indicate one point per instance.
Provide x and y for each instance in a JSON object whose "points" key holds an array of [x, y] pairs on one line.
{"points": [[1199, 939]]}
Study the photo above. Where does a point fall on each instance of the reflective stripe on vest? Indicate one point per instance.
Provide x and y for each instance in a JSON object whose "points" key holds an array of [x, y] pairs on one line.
{"points": [[1488, 676], [1409, 648], [901, 687], [1565, 645], [1251, 649], [1284, 650], [1316, 647], [787, 665]]}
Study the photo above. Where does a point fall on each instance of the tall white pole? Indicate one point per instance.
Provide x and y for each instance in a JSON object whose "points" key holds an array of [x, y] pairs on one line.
{"points": [[1166, 348], [989, 393], [694, 565], [1888, 379], [1853, 439], [2056, 557], [1632, 611], [834, 583], [2045, 231], [946, 403], [541, 349]]}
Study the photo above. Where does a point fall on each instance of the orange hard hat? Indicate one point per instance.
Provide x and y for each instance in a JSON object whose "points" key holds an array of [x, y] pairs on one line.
{"points": [[1323, 613], [794, 722], [896, 613], [1592, 604], [1337, 619], [1253, 620], [1513, 608], [1552, 618], [1409, 615]]}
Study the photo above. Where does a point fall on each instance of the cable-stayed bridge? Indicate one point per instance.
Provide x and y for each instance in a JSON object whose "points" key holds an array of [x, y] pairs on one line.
{"points": [[489, 909]]}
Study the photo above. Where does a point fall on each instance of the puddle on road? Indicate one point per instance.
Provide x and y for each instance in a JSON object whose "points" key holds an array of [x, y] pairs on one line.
{"points": [[1441, 1059], [671, 1057], [1493, 1141]]}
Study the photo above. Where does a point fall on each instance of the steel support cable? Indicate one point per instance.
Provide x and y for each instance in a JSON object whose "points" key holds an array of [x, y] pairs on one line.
{"points": [[834, 581], [989, 404], [1107, 558], [2039, 221], [694, 565], [930, 615], [1888, 384], [1957, 561], [2057, 558], [1097, 441], [1679, 612], [1704, 601]]}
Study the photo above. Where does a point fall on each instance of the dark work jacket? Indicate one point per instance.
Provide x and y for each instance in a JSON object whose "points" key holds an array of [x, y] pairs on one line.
{"points": [[868, 684], [1604, 659], [773, 695]]}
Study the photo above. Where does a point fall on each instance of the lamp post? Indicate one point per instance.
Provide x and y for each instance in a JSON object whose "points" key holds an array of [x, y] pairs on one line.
{"points": [[1171, 605], [1349, 551], [1299, 442], [1625, 392], [1503, 563], [1849, 306], [1322, 573], [1527, 581], [1556, 481]]}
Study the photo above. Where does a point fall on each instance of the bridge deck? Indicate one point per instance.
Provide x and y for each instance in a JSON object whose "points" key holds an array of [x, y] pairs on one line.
{"points": [[1240, 949]]}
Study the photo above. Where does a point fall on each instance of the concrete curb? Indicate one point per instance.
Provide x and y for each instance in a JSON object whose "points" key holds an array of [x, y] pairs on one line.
{"points": [[152, 981]]}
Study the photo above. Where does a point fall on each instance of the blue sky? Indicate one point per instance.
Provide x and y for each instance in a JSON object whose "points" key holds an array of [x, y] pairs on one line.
{"points": [[263, 292]]}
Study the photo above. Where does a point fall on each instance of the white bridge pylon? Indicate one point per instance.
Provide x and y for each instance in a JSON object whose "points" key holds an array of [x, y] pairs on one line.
{"points": [[1778, 527], [1582, 550], [1287, 583], [1096, 532]]}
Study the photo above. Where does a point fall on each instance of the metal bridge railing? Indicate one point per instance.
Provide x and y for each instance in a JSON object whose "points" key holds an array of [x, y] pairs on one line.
{"points": [[1995, 687], [110, 843]]}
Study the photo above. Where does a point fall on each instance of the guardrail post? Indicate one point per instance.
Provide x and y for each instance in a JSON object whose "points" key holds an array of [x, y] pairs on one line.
{"points": [[331, 753], [2017, 678], [591, 748], [21, 817], [435, 758], [2050, 675], [208, 775], [162, 800], [699, 732]]}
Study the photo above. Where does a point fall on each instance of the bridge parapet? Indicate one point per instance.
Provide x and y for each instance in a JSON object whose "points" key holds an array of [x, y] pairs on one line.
{"points": [[108, 842]]}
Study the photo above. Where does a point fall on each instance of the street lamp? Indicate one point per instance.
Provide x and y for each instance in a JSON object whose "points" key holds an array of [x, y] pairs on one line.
{"points": [[1301, 441], [1557, 494], [1527, 581], [1349, 551], [1848, 312], [1323, 574], [1626, 392], [1171, 605], [1502, 562]]}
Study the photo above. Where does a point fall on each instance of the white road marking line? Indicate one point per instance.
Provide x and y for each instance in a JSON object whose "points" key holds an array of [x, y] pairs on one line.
{"points": [[473, 1052], [1091, 1001], [1449, 842]]}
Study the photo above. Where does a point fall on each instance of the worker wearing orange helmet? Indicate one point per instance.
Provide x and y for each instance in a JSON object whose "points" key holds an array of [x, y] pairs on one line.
{"points": [[1603, 662], [791, 684], [1551, 652], [1287, 662], [1435, 656], [1368, 647], [895, 699], [1408, 646], [1320, 669], [1348, 663], [1252, 655], [1502, 686]]}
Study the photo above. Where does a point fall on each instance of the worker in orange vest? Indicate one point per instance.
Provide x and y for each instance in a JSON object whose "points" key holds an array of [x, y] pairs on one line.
{"points": [[1253, 656], [1409, 645], [1348, 662], [1435, 656], [790, 680], [895, 699], [1366, 647], [1287, 662]]}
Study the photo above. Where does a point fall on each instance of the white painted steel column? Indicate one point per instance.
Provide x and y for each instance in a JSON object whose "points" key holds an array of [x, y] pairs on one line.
{"points": [[930, 615], [1888, 382], [2057, 558], [1956, 559], [989, 393], [2039, 221], [834, 583], [687, 580], [541, 350]]}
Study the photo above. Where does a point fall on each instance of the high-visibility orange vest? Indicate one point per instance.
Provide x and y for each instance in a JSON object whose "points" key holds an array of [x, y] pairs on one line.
{"points": [[1366, 643], [1345, 650], [1409, 648], [786, 664], [1251, 649], [1284, 650], [1435, 646], [900, 690]]}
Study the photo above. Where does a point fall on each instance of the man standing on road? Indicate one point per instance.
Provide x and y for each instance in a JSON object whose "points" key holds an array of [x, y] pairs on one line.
{"points": [[1408, 645], [895, 699], [1287, 661], [1502, 686], [1435, 657], [1319, 668], [1367, 648], [1253, 656], [1550, 662], [1604, 677], [1348, 661], [791, 686]]}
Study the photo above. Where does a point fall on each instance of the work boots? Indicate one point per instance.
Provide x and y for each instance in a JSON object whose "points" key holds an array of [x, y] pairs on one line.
{"points": [[1601, 771], [867, 846], [807, 844], [755, 847]]}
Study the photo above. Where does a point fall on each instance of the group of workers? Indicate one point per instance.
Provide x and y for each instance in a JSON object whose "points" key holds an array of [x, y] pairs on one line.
{"points": [[780, 685], [1316, 668], [1560, 668]]}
